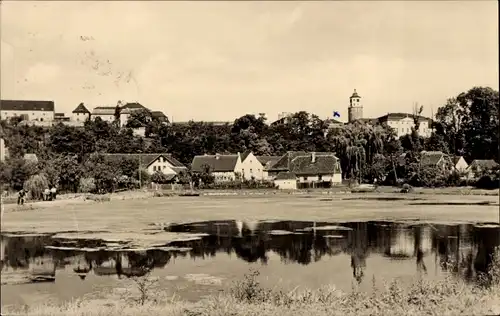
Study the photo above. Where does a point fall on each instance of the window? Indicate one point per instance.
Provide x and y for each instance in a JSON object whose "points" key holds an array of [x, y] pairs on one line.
{"points": [[251, 170], [320, 178], [305, 178]]}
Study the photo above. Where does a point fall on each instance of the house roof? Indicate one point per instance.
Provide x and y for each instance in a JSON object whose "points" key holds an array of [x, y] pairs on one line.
{"points": [[26, 105], [245, 154], [217, 163], [81, 109], [148, 159], [323, 164], [134, 106], [104, 110], [456, 159], [31, 157], [400, 116], [484, 163], [286, 176], [355, 94], [431, 158], [283, 164], [158, 114], [268, 161]]}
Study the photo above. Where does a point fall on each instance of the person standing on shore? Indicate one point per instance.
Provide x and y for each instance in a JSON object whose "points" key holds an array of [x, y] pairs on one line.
{"points": [[20, 198], [53, 192], [46, 194]]}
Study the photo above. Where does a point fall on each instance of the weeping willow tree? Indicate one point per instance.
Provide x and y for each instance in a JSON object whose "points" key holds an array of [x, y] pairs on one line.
{"points": [[357, 145], [35, 186]]}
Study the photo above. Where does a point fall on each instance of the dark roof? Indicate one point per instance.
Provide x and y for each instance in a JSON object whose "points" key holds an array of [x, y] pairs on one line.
{"points": [[355, 94], [217, 163], [81, 109], [431, 158], [158, 114], [399, 116], [484, 163], [134, 106], [323, 164], [104, 108], [245, 154], [25, 105], [286, 176], [456, 159], [148, 159], [268, 161], [283, 164]]}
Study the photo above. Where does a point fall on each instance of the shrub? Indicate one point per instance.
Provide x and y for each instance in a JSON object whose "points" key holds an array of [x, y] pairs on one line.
{"points": [[406, 188], [487, 182], [35, 186], [87, 185]]}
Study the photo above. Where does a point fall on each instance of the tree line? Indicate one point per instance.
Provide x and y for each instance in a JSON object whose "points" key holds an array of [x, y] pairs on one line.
{"points": [[467, 125]]}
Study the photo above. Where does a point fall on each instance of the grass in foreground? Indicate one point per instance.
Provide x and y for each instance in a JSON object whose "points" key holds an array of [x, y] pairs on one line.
{"points": [[447, 297]]}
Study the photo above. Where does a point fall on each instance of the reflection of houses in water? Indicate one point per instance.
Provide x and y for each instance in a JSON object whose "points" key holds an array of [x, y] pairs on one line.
{"points": [[42, 269], [467, 249], [401, 244]]}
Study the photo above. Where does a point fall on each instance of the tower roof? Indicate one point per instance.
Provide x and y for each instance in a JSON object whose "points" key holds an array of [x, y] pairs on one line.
{"points": [[81, 109], [355, 94]]}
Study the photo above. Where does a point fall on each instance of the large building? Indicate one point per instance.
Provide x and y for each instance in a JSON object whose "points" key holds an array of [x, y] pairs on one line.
{"points": [[402, 123], [35, 112]]}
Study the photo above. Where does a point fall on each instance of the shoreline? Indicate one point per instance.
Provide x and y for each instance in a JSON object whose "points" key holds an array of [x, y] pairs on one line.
{"points": [[78, 198]]}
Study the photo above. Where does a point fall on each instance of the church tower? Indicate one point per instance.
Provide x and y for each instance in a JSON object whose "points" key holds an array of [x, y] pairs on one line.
{"points": [[355, 111]]}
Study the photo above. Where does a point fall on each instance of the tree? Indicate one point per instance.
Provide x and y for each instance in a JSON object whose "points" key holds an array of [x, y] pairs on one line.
{"points": [[480, 122]]}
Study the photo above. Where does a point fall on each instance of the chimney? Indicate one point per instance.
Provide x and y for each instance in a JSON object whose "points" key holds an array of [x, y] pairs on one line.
{"points": [[217, 156], [313, 157], [239, 155]]}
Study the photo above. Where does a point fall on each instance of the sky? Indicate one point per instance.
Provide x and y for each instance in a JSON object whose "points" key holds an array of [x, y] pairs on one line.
{"points": [[216, 61]]}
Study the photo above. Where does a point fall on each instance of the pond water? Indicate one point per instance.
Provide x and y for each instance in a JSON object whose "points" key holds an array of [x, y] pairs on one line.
{"points": [[288, 254]]}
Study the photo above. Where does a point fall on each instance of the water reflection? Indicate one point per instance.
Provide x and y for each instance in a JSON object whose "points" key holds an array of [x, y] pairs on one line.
{"points": [[465, 250]]}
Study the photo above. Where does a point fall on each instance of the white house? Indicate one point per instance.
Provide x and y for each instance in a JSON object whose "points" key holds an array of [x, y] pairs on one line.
{"points": [[80, 114], [39, 113], [267, 162], [315, 169], [250, 167], [479, 166], [222, 167], [2, 150], [286, 181], [105, 113], [436, 159], [402, 123], [165, 163], [460, 164]]}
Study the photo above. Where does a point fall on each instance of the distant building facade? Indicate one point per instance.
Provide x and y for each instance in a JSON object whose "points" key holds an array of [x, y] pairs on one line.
{"points": [[3, 153], [80, 113], [39, 113], [222, 167], [402, 123]]}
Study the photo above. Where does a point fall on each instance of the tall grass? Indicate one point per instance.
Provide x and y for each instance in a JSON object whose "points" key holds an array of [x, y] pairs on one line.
{"points": [[451, 296]]}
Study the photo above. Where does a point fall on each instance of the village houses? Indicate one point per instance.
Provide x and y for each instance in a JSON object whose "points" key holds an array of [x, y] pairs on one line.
{"points": [[230, 167], [436, 159], [478, 166], [158, 162], [311, 169]]}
